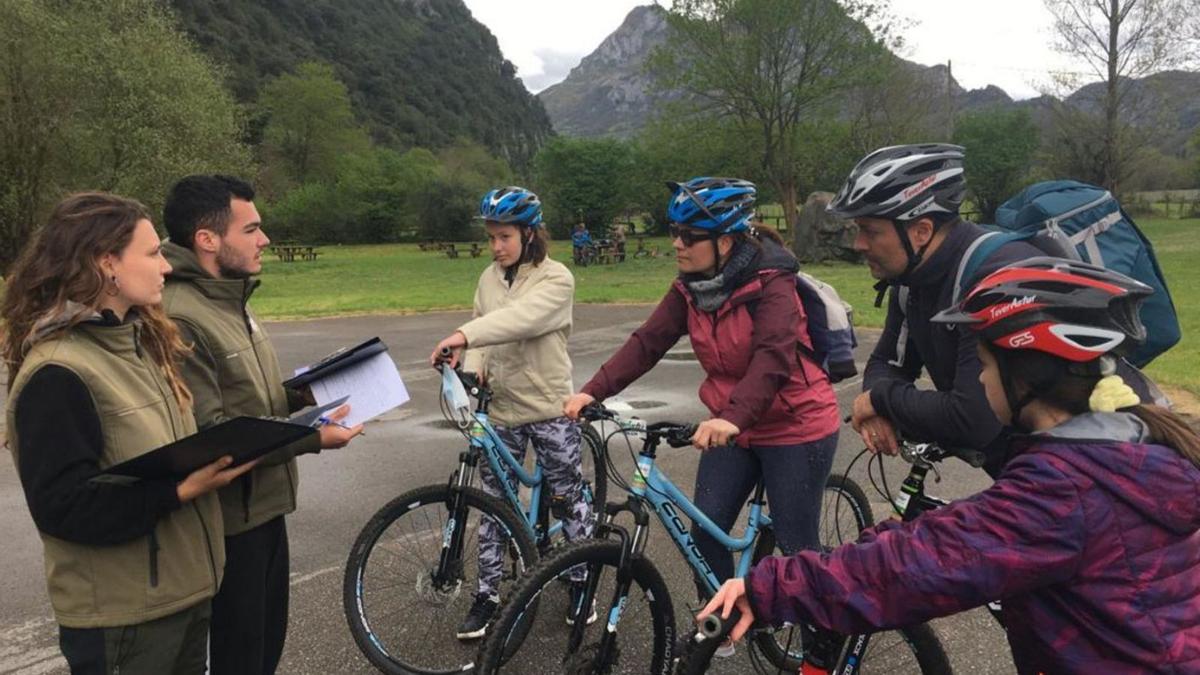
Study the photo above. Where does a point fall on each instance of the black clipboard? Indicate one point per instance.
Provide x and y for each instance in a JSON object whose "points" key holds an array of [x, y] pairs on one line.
{"points": [[243, 438], [342, 358]]}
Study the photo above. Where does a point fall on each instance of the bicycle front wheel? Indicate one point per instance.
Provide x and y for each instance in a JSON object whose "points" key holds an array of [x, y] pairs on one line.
{"points": [[633, 632], [846, 512], [404, 596]]}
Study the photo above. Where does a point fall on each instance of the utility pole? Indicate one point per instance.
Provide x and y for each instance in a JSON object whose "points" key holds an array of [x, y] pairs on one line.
{"points": [[949, 102]]}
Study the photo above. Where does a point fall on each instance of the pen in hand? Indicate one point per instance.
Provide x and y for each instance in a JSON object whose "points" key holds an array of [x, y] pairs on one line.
{"points": [[325, 420]]}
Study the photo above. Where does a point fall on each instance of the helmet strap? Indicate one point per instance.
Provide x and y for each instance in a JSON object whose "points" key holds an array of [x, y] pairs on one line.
{"points": [[1015, 403], [715, 238], [915, 257], [1018, 403], [510, 274]]}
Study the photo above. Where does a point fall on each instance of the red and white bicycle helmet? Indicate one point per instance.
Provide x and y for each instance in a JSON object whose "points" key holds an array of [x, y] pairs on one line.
{"points": [[1072, 310]]}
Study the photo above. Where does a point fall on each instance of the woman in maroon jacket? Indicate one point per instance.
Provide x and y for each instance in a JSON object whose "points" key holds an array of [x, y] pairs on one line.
{"points": [[1091, 533], [736, 298]]}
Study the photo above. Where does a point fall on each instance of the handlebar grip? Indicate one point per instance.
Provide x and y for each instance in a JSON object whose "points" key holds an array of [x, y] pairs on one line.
{"points": [[596, 412], [711, 626], [446, 351]]}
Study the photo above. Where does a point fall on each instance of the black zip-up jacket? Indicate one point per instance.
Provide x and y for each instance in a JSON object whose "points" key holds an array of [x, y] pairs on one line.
{"points": [[956, 414]]}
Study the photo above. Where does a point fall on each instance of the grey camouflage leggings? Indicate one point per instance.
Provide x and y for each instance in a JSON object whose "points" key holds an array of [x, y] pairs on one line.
{"points": [[557, 444]]}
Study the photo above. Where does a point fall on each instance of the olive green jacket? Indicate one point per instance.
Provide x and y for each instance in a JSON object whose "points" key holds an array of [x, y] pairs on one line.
{"points": [[233, 370], [178, 565]]}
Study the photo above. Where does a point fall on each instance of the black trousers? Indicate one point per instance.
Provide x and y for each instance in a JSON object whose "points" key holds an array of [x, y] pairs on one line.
{"points": [[250, 612]]}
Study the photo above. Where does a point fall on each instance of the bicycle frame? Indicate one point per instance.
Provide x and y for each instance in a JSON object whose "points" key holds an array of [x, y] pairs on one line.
{"points": [[649, 485], [655, 487], [499, 457], [486, 442], [913, 500]]}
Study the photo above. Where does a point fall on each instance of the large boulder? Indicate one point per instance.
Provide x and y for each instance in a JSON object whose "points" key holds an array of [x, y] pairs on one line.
{"points": [[821, 236]]}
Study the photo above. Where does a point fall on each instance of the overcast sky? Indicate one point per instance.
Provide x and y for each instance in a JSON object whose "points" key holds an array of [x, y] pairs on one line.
{"points": [[1007, 44]]}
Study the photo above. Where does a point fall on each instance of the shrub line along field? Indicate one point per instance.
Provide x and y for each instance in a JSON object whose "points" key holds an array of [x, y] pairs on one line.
{"points": [[400, 278]]}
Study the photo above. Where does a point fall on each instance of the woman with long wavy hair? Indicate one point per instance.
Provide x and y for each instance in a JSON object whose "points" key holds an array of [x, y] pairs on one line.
{"points": [[93, 382]]}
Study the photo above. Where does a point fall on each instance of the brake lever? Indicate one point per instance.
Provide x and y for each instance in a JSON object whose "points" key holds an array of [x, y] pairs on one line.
{"points": [[681, 437]]}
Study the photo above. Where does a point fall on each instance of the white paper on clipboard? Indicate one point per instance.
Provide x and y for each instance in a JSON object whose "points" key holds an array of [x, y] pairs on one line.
{"points": [[373, 385]]}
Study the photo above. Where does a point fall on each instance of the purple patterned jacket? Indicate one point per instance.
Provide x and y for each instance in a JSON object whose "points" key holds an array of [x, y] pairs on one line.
{"points": [[1093, 546]]}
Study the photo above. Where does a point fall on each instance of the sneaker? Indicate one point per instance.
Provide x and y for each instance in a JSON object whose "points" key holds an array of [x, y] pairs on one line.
{"points": [[475, 625], [577, 589], [725, 651]]}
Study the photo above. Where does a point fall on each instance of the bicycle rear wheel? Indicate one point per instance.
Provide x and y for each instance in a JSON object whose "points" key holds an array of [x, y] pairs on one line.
{"points": [[642, 638], [402, 606]]}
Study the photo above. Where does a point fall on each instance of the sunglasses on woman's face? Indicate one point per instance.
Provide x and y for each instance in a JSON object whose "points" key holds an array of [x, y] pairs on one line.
{"points": [[687, 236]]}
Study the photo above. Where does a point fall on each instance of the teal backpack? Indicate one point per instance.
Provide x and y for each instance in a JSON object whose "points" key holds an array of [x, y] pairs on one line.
{"points": [[1075, 220]]}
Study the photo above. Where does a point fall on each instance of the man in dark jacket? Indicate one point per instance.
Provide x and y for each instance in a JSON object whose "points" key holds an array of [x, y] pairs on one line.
{"points": [[215, 249], [905, 201]]}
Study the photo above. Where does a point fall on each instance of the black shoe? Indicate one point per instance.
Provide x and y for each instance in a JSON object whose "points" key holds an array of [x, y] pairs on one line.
{"points": [[577, 589], [475, 625]]}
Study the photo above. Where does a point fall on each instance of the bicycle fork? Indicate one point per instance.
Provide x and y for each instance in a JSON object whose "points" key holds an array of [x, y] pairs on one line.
{"points": [[631, 547], [449, 569]]}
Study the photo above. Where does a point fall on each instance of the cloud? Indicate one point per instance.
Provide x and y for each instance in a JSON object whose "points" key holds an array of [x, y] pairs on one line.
{"points": [[555, 66]]}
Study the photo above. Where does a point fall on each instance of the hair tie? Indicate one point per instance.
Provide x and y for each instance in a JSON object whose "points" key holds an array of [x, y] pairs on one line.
{"points": [[1111, 394]]}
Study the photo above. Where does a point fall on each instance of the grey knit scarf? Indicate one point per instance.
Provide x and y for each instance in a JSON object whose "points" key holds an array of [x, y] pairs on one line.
{"points": [[709, 294]]}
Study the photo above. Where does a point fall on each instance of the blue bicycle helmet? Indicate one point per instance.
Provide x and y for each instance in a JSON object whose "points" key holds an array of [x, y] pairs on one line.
{"points": [[719, 205], [511, 205]]}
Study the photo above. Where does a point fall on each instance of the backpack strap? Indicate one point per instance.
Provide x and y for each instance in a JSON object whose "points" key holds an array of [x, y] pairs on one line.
{"points": [[978, 252], [901, 337]]}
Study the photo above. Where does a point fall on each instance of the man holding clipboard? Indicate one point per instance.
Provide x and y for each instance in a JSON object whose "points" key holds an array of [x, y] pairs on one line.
{"points": [[215, 249]]}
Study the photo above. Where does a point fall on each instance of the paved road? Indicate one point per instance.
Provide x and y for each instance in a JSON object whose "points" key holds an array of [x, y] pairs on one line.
{"points": [[407, 448]]}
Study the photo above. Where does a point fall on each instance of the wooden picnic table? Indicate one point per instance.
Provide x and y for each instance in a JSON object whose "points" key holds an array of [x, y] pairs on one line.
{"points": [[452, 251], [293, 252]]}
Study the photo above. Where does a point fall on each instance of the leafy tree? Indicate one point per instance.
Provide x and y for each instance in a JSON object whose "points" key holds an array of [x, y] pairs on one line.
{"points": [[380, 195], [675, 145], [466, 172], [583, 178], [1000, 146], [1196, 153], [310, 123], [419, 73], [447, 210], [1121, 41], [304, 214], [103, 95], [771, 65], [883, 110]]}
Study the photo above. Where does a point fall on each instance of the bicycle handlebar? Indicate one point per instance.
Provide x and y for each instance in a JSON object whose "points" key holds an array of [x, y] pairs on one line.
{"points": [[470, 381], [934, 452], [914, 453], [676, 435]]}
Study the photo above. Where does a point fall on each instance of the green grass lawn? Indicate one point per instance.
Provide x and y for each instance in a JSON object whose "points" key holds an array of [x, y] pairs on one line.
{"points": [[401, 278], [1177, 246]]}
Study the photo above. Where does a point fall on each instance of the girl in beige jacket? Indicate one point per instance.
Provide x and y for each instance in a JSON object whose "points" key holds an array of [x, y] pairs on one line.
{"points": [[517, 340]]}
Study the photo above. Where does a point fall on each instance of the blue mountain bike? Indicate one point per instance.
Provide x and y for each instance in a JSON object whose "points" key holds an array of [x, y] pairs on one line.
{"points": [[413, 570], [637, 630]]}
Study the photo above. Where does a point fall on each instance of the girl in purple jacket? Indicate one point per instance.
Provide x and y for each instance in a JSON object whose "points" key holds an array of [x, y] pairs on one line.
{"points": [[1091, 534]]}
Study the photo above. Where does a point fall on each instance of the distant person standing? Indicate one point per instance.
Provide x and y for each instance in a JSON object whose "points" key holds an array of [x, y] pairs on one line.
{"points": [[618, 241], [216, 249]]}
